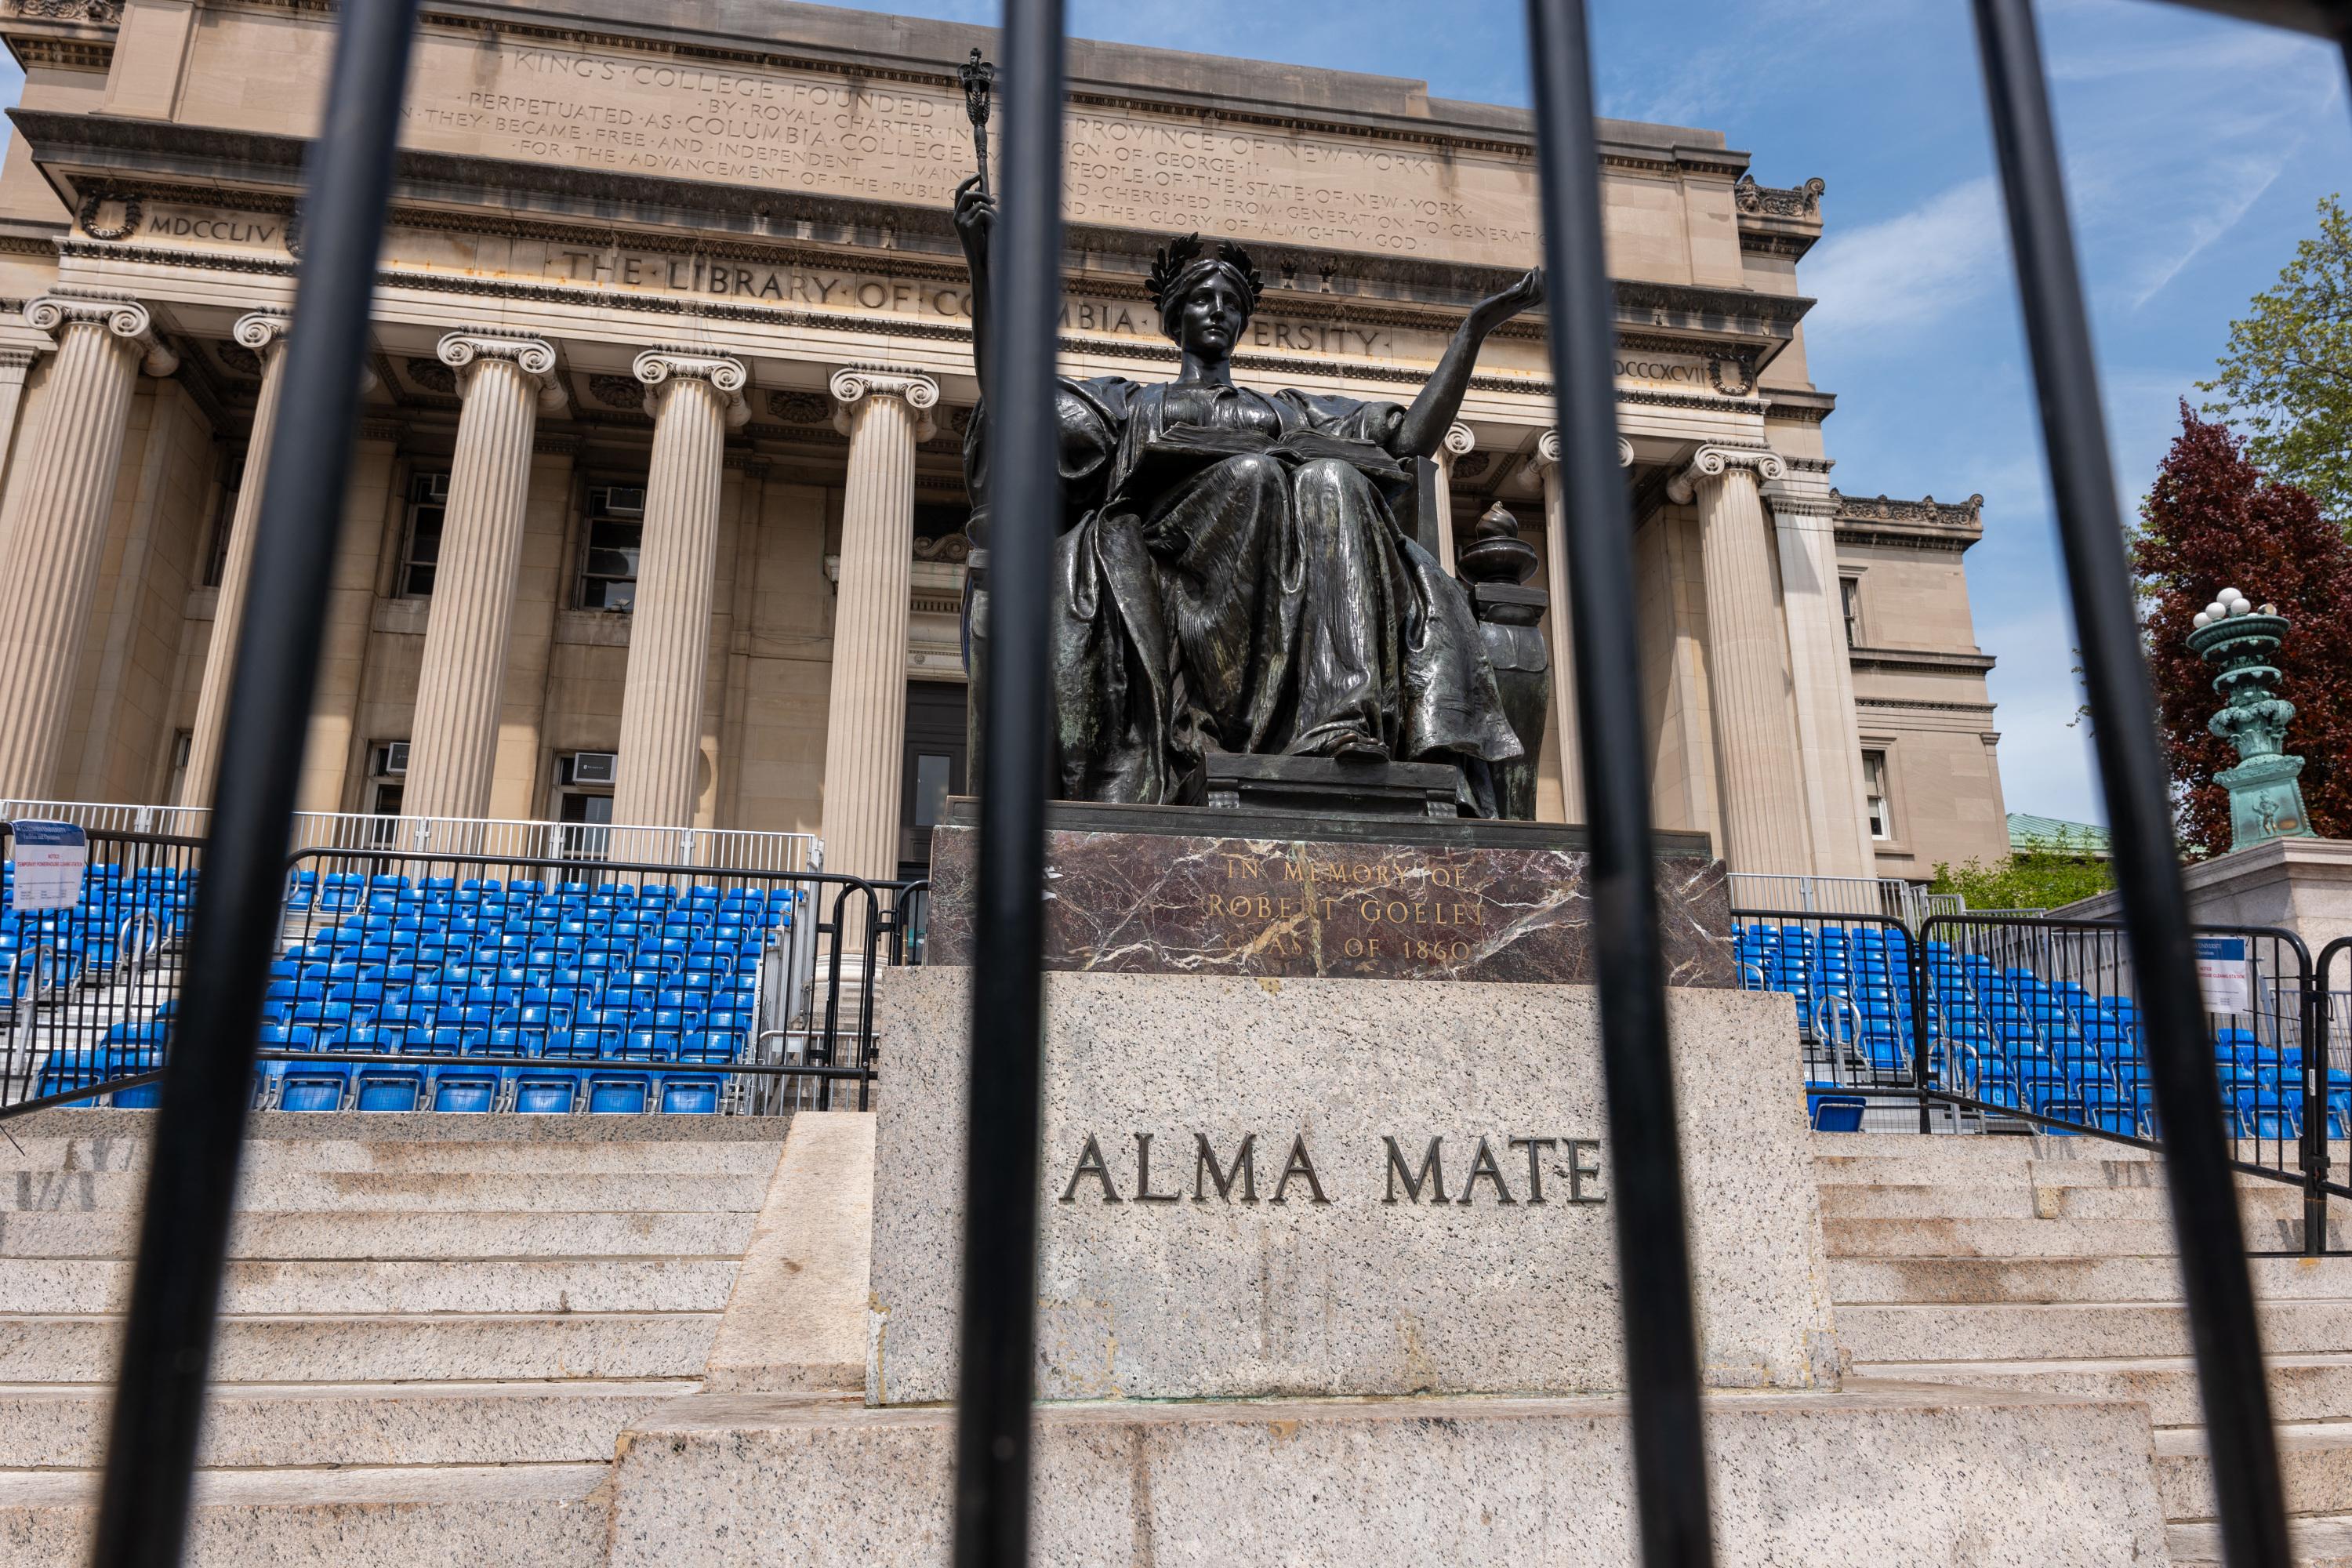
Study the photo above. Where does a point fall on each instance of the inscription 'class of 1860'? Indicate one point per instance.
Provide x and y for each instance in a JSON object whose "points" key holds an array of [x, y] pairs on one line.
{"points": [[1402, 1172]]}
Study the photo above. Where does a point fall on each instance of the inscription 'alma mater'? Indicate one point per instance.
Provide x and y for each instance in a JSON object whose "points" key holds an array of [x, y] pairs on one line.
{"points": [[1572, 1163]]}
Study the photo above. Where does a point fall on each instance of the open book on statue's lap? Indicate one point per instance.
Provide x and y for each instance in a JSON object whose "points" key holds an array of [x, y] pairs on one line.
{"points": [[1181, 450]]}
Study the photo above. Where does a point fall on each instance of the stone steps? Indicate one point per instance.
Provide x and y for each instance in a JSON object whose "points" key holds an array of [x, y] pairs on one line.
{"points": [[1984, 1282], [2019, 1238], [364, 1288], [516, 1516], [433, 1329], [2314, 1387], [263, 1425], [2323, 1540], [2314, 1464], [2049, 1265], [2071, 1330], [340, 1349], [447, 1235], [2028, 1200], [332, 1192]]}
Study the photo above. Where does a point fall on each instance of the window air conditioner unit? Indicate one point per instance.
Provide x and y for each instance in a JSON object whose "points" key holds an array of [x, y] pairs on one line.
{"points": [[616, 502], [395, 758], [593, 767]]}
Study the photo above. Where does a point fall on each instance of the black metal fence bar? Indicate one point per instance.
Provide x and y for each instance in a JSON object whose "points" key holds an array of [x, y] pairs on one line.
{"points": [[1652, 1256], [997, 1329], [184, 1234], [2224, 1333]]}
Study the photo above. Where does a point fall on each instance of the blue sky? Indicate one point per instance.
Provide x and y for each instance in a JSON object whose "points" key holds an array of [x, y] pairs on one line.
{"points": [[2196, 151]]}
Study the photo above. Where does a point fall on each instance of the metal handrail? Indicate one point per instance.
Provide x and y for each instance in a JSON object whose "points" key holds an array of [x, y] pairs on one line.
{"points": [[363, 832]]}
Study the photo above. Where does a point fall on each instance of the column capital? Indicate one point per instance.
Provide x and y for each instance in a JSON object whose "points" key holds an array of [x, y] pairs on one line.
{"points": [[852, 383], [119, 314], [465, 350], [1459, 441], [1712, 462], [661, 369], [261, 330], [1548, 452]]}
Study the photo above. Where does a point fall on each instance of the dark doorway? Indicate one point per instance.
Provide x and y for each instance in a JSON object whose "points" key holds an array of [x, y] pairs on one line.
{"points": [[933, 770]]}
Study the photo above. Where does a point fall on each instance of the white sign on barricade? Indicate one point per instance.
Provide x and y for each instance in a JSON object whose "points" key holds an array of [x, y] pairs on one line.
{"points": [[2226, 974], [49, 859]]}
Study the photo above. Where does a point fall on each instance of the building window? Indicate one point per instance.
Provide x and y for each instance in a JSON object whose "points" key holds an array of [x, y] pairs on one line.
{"points": [[584, 803], [608, 565], [183, 744], [1874, 795], [428, 499], [386, 781], [1849, 601]]}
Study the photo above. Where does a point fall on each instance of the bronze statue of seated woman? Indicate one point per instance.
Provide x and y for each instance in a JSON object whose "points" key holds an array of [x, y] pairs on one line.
{"points": [[1231, 575]]}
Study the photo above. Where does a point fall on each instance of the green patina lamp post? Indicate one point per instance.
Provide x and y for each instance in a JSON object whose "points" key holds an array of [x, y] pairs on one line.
{"points": [[2265, 802]]}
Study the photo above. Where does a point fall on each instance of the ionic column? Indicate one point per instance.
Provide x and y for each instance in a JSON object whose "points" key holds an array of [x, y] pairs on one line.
{"points": [[694, 399], [1763, 803], [884, 413], [454, 737], [1459, 439], [1804, 525], [53, 522], [1557, 635], [265, 334], [15, 365]]}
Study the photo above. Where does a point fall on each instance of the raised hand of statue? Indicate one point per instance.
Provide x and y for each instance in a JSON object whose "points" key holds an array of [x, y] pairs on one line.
{"points": [[1433, 411], [976, 220], [1524, 295]]}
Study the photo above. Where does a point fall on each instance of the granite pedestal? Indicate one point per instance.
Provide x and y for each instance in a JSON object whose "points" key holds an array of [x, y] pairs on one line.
{"points": [[1174, 890], [1326, 1268]]}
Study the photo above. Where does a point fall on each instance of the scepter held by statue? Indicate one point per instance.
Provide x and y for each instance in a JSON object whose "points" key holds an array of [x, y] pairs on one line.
{"points": [[978, 77]]}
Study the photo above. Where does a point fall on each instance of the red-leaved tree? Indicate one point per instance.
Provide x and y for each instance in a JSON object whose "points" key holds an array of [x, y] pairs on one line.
{"points": [[2212, 523]]}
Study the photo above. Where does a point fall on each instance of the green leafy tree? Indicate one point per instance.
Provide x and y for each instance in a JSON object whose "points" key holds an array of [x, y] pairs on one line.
{"points": [[2036, 880], [2286, 378]]}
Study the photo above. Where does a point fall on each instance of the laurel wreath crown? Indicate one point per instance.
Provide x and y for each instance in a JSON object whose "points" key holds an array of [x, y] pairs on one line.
{"points": [[1173, 263]]}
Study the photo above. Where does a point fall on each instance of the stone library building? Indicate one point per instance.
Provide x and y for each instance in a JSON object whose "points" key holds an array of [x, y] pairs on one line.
{"points": [[658, 511]]}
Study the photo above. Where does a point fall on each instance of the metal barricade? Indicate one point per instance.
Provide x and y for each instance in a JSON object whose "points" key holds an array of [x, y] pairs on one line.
{"points": [[88, 995]]}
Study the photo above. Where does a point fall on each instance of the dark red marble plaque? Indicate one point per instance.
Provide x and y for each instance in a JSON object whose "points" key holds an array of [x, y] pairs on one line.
{"points": [[1198, 904]]}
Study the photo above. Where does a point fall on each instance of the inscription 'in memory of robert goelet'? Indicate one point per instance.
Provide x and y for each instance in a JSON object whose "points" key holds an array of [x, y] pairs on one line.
{"points": [[1573, 1163]]}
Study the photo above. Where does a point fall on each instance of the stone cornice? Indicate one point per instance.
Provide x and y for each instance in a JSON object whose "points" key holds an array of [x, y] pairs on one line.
{"points": [[1978, 709], [1920, 660], [1924, 524], [240, 166], [1777, 222]]}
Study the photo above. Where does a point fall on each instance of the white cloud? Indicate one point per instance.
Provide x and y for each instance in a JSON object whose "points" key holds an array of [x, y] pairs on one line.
{"points": [[1905, 275]]}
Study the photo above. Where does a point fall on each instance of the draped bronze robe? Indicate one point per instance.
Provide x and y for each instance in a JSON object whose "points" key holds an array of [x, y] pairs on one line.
{"points": [[1261, 602]]}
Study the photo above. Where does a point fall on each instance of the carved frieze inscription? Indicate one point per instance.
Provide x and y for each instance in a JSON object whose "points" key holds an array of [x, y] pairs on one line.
{"points": [[899, 142], [1163, 903]]}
